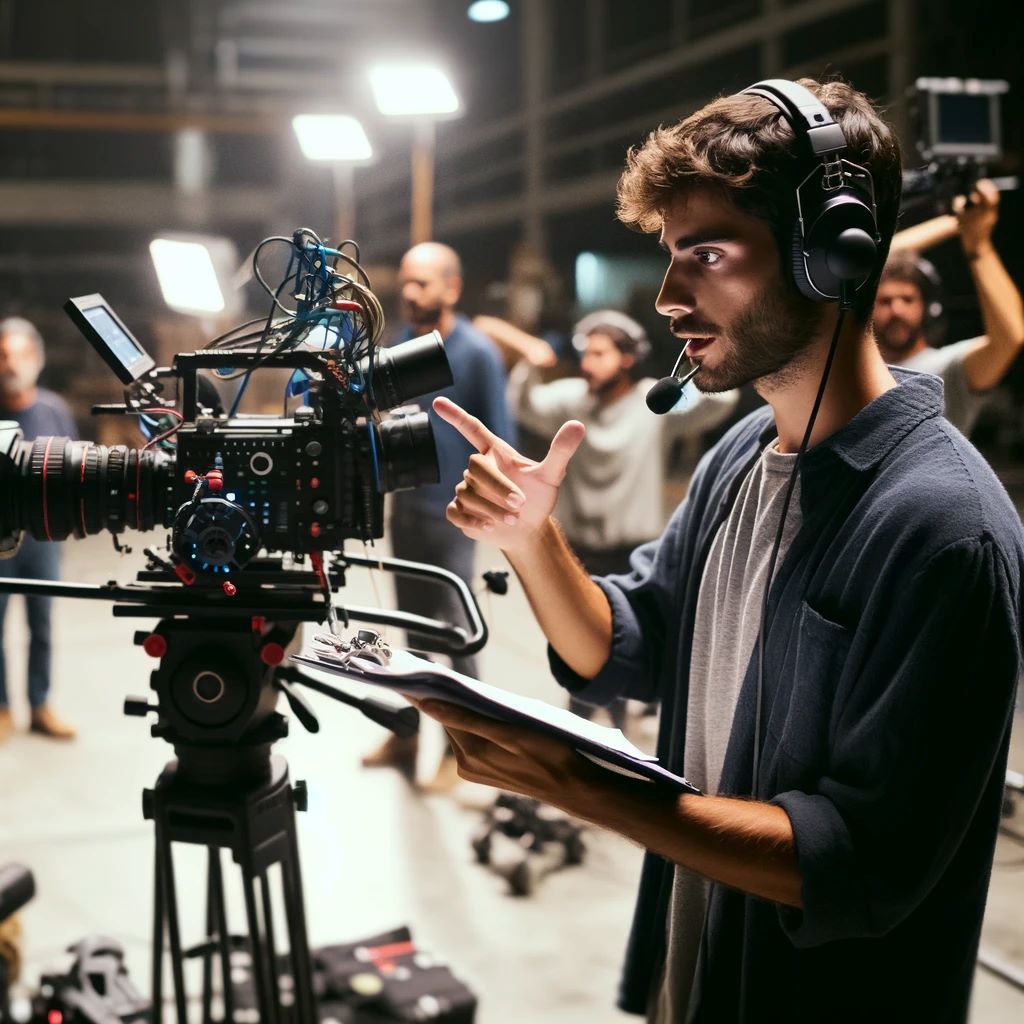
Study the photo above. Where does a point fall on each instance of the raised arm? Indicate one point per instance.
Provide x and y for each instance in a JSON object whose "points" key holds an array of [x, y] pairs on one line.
{"points": [[1002, 311], [924, 235], [508, 499], [514, 343]]}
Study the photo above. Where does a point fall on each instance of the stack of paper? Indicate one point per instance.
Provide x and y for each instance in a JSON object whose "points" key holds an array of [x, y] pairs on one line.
{"points": [[407, 673]]}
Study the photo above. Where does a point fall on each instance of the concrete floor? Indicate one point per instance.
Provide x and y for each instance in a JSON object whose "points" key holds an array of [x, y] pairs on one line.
{"points": [[375, 853]]}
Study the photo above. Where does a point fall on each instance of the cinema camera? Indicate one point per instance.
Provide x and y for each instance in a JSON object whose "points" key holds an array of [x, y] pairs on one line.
{"points": [[227, 485], [257, 508], [959, 135]]}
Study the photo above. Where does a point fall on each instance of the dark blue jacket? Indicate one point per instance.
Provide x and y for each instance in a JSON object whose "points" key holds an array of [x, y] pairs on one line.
{"points": [[478, 385], [892, 657]]}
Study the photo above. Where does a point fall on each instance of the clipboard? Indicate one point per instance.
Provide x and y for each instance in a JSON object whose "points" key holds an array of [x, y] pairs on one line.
{"points": [[407, 673]]}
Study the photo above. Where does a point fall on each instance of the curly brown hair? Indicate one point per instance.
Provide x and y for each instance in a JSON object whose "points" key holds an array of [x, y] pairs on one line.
{"points": [[744, 147]]}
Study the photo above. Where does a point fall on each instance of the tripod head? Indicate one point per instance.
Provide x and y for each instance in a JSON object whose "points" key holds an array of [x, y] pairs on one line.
{"points": [[221, 656]]}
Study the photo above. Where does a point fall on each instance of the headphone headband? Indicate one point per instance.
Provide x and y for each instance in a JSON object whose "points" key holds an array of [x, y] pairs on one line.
{"points": [[806, 114]]}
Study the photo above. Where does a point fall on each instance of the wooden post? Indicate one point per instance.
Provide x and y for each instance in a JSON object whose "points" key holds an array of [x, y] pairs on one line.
{"points": [[422, 221]]}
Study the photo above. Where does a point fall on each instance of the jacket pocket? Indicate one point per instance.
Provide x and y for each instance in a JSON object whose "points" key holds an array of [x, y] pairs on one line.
{"points": [[802, 711]]}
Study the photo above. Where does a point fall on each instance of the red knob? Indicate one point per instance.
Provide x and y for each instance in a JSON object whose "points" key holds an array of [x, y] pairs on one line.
{"points": [[314, 482], [314, 530], [155, 645], [229, 588], [190, 476], [271, 654]]}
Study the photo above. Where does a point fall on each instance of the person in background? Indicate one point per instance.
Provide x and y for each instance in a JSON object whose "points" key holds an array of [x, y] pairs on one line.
{"points": [[970, 369], [39, 413], [612, 498], [430, 283]]}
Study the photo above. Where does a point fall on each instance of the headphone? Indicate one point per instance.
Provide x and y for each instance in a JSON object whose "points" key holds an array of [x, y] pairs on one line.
{"points": [[835, 239]]}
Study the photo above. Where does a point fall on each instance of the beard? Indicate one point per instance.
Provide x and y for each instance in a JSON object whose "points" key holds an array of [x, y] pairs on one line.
{"points": [[895, 342], [601, 389], [766, 341], [16, 382], [423, 316]]}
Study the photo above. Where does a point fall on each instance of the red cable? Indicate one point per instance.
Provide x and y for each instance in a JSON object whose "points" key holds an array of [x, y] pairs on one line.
{"points": [[46, 510], [81, 500]]}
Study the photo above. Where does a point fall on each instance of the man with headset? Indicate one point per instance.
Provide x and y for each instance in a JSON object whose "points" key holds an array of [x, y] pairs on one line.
{"points": [[908, 307], [846, 718]]}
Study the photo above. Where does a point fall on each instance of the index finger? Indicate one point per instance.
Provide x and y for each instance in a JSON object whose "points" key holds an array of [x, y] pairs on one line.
{"points": [[468, 426]]}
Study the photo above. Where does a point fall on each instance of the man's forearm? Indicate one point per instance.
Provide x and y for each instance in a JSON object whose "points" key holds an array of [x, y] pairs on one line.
{"points": [[743, 844], [1003, 316], [924, 235], [570, 607]]}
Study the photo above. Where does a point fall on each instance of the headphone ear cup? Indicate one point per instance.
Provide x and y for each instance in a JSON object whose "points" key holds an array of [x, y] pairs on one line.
{"points": [[798, 267]]}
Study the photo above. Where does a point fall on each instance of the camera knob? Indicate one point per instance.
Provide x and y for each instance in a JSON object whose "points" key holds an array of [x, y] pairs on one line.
{"points": [[138, 707], [314, 448]]}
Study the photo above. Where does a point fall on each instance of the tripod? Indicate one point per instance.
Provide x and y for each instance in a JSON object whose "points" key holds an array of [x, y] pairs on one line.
{"points": [[220, 673], [217, 684], [257, 824]]}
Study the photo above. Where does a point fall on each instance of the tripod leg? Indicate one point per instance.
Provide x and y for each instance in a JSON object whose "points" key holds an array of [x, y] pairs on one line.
{"points": [[268, 922], [156, 979], [211, 925], [223, 938], [171, 898], [291, 877], [261, 969]]}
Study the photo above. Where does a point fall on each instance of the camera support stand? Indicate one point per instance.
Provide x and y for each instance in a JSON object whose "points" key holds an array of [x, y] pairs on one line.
{"points": [[220, 674], [256, 824]]}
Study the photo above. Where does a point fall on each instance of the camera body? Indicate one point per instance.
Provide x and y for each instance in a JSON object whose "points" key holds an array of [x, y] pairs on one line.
{"points": [[228, 486], [959, 135]]}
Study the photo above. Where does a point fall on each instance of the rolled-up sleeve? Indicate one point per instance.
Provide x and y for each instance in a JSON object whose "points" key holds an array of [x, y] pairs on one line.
{"points": [[921, 718], [642, 603]]}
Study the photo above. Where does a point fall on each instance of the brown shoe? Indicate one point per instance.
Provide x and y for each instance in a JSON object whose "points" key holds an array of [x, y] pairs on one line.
{"points": [[46, 723], [395, 752], [6, 724]]}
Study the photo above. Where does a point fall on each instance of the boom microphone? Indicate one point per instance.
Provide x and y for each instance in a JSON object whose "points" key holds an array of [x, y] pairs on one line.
{"points": [[665, 393]]}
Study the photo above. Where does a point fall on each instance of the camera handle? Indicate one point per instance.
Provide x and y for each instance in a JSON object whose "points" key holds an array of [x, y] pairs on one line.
{"points": [[156, 595]]}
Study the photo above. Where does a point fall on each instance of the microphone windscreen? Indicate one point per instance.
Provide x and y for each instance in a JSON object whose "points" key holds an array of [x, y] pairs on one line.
{"points": [[664, 395]]}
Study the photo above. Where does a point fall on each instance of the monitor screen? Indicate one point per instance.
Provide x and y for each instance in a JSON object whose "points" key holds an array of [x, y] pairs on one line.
{"points": [[109, 336], [965, 118]]}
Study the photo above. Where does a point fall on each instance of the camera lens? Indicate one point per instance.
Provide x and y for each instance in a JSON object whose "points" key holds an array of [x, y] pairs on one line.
{"points": [[61, 488], [417, 367], [408, 456]]}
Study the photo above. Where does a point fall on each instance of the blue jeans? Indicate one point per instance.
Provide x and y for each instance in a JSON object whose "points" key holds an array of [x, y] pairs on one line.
{"points": [[35, 560]]}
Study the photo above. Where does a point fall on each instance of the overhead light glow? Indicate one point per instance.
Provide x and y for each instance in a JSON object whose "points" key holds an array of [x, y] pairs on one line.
{"points": [[412, 90], [337, 137], [187, 276], [488, 10]]}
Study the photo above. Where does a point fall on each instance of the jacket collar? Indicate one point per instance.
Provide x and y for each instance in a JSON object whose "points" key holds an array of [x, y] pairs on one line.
{"points": [[880, 426]]}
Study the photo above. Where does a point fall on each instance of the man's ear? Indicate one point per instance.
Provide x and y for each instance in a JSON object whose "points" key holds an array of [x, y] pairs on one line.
{"points": [[453, 291], [628, 360]]}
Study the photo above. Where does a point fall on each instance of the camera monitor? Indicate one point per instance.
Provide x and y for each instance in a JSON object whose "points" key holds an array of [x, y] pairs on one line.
{"points": [[108, 335], [960, 117]]}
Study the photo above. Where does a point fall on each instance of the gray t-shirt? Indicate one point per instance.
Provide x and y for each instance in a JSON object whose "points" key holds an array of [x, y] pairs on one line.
{"points": [[725, 631], [613, 492], [962, 404]]}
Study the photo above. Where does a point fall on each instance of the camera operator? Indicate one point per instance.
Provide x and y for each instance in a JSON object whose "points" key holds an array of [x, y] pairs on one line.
{"points": [[39, 413], [430, 281], [903, 320], [847, 719]]}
